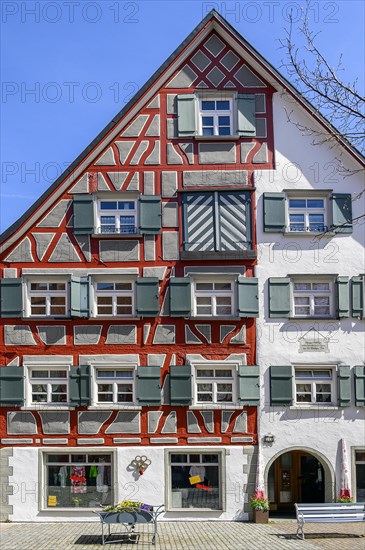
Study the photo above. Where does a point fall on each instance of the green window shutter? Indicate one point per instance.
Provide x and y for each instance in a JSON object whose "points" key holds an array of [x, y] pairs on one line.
{"points": [[186, 117], [148, 385], [249, 385], [274, 212], [281, 385], [180, 296], [147, 298], [11, 298], [279, 297], [359, 372], [180, 385], [344, 386], [343, 297], [341, 213], [80, 385], [149, 214], [83, 215], [248, 296], [80, 296], [357, 297], [11, 386], [246, 111]]}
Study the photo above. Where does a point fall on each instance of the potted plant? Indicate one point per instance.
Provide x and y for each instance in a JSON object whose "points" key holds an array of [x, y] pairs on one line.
{"points": [[260, 506], [345, 499]]}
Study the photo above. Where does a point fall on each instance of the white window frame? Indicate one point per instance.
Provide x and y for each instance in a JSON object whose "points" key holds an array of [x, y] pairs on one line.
{"points": [[114, 294], [29, 403], [116, 213], [95, 381], [312, 294], [221, 476], [215, 365], [42, 490], [214, 294], [47, 294], [312, 382], [231, 112], [307, 211], [354, 462]]}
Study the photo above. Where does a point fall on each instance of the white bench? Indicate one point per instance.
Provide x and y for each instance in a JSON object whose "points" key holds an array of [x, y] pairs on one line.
{"points": [[330, 512]]}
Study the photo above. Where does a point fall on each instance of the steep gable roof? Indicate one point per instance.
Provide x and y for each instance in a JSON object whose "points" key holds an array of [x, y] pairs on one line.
{"points": [[213, 21]]}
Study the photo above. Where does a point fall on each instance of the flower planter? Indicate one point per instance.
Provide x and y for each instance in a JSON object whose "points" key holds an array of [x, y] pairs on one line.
{"points": [[261, 516]]}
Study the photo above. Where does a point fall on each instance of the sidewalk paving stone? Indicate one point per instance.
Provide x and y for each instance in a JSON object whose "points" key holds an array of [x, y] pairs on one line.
{"points": [[278, 535]]}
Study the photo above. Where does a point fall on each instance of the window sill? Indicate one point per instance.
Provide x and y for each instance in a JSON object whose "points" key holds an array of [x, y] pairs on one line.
{"points": [[111, 317], [46, 318], [310, 234], [314, 407], [331, 318], [113, 407], [218, 138], [47, 407], [195, 510], [117, 236], [218, 255], [213, 318], [76, 509], [215, 406]]}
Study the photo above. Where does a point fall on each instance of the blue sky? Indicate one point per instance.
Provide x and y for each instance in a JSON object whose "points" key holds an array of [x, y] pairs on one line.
{"points": [[67, 67]]}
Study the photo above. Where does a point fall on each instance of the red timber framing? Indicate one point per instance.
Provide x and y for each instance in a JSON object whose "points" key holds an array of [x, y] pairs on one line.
{"points": [[150, 152]]}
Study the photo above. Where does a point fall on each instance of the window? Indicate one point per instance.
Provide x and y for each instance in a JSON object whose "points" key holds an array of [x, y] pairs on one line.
{"points": [[115, 386], [302, 213], [47, 299], [360, 475], [117, 217], [215, 385], [312, 299], [306, 215], [216, 117], [213, 298], [48, 386], [74, 480], [113, 299], [195, 481], [219, 221], [314, 385], [206, 115]]}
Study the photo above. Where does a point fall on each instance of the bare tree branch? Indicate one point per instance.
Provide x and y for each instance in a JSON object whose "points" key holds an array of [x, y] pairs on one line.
{"points": [[339, 101]]}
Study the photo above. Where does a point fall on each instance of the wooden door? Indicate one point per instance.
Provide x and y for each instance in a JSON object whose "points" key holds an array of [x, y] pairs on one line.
{"points": [[298, 477]]}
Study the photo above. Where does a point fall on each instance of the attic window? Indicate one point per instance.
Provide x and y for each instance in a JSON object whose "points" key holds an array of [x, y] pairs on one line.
{"points": [[117, 217], [215, 117], [204, 115]]}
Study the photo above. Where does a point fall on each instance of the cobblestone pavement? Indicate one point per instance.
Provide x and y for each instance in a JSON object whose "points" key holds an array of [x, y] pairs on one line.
{"points": [[279, 535]]}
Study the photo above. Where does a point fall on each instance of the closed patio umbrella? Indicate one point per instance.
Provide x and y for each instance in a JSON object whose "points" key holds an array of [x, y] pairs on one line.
{"points": [[345, 482], [260, 483]]}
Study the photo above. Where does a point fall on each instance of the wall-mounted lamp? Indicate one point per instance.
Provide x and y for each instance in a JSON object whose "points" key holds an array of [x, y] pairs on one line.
{"points": [[269, 438]]}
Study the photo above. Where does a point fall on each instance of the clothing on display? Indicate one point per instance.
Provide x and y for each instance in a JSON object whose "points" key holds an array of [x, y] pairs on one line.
{"points": [[78, 480]]}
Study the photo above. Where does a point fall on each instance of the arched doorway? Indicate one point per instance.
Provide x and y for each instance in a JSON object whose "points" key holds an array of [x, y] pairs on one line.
{"points": [[298, 475]]}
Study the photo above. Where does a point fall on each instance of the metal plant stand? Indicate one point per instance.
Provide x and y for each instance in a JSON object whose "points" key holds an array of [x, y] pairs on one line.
{"points": [[128, 519]]}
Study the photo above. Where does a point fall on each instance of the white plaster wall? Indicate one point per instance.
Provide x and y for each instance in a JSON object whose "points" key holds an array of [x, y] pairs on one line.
{"points": [[25, 483], [301, 165], [149, 488]]}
